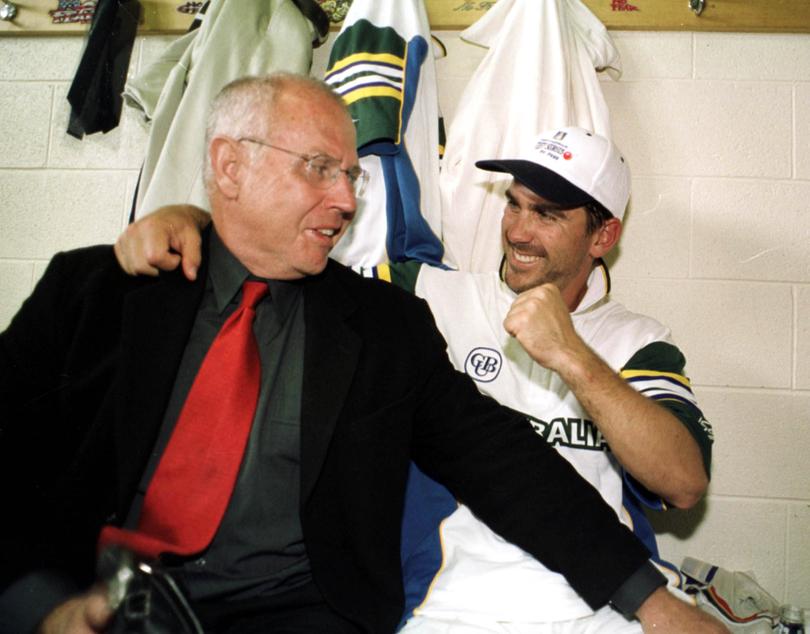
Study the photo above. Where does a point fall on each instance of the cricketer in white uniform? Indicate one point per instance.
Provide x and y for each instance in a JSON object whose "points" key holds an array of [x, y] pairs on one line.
{"points": [[515, 338]]}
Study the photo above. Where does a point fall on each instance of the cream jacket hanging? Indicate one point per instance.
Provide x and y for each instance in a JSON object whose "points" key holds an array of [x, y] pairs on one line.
{"points": [[237, 37]]}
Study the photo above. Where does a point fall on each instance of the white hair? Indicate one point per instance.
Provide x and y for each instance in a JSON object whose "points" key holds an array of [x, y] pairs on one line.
{"points": [[245, 106]]}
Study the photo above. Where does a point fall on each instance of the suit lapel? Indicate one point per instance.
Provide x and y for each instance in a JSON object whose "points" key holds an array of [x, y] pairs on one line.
{"points": [[157, 320], [331, 352]]}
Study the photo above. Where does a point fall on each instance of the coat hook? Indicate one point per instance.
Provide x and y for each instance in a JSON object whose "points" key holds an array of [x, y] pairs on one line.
{"points": [[697, 6], [8, 10]]}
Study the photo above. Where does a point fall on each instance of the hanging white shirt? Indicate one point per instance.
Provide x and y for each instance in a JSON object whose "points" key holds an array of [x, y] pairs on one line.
{"points": [[539, 73]]}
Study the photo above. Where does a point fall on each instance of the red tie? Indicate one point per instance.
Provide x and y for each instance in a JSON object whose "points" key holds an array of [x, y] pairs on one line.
{"points": [[190, 489]]}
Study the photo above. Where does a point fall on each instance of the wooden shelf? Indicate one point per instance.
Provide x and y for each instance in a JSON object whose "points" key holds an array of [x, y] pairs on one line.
{"points": [[34, 17], [788, 16]]}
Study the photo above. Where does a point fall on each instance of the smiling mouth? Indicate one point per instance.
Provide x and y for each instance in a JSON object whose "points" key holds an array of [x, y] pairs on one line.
{"points": [[525, 259]]}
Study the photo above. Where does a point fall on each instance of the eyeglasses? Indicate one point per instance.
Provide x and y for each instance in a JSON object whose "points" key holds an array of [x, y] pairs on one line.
{"points": [[321, 170]]}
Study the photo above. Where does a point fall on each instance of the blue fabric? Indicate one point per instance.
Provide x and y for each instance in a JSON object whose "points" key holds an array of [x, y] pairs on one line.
{"points": [[427, 503], [409, 235], [635, 498]]}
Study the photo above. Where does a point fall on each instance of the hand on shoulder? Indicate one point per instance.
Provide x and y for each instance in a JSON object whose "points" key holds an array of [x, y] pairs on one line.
{"points": [[162, 240]]}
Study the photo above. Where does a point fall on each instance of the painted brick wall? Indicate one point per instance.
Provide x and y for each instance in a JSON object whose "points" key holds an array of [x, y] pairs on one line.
{"points": [[717, 131]]}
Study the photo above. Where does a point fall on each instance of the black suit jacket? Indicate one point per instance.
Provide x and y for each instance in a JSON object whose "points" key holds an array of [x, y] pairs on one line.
{"points": [[86, 370]]}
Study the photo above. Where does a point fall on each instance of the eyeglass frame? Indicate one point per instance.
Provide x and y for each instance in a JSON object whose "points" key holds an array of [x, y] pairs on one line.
{"points": [[358, 177]]}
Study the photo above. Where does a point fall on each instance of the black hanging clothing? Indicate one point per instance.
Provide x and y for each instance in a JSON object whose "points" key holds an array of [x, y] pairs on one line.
{"points": [[314, 13], [95, 94]]}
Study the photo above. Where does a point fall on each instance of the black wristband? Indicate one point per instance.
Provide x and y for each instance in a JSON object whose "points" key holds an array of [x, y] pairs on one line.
{"points": [[640, 585]]}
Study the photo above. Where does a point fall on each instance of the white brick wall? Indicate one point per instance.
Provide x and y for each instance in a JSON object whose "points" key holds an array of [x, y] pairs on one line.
{"points": [[717, 130]]}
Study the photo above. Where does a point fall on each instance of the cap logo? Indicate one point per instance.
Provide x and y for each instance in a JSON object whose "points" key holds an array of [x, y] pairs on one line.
{"points": [[550, 148]]}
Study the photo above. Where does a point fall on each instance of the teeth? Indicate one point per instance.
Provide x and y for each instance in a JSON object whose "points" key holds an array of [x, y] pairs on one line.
{"points": [[525, 258], [327, 232]]}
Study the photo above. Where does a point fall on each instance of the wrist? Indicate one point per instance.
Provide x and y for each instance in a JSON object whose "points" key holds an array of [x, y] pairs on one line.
{"points": [[576, 364]]}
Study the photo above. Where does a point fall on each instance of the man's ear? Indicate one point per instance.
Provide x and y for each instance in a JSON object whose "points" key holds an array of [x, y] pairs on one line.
{"points": [[606, 237], [226, 163]]}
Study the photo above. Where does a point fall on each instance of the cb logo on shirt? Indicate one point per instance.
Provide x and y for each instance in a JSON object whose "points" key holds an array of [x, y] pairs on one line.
{"points": [[483, 364]]}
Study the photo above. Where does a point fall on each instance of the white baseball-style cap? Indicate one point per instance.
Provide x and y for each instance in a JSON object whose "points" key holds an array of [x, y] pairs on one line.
{"points": [[571, 167]]}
